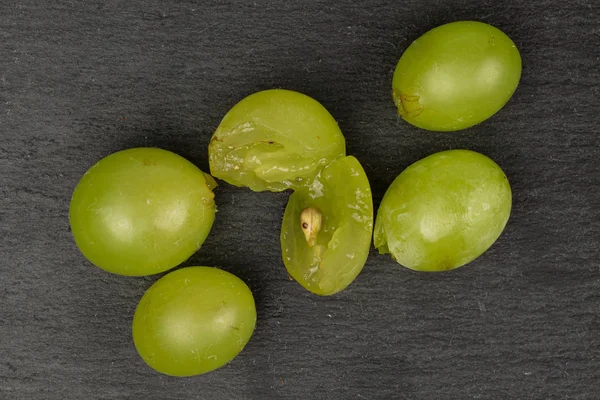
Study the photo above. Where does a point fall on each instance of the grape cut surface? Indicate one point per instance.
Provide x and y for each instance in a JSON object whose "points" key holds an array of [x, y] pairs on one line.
{"points": [[274, 140], [327, 228]]}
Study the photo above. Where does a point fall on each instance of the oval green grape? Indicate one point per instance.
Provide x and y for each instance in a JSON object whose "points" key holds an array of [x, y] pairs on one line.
{"points": [[455, 76], [193, 320], [274, 140], [141, 211], [443, 211], [327, 228]]}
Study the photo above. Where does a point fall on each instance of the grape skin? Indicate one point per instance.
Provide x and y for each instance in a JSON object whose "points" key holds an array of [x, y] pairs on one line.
{"points": [[455, 76], [193, 321], [141, 211], [443, 211], [274, 140]]}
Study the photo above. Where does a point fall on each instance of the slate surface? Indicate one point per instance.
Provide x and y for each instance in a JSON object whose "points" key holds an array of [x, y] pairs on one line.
{"points": [[82, 79]]}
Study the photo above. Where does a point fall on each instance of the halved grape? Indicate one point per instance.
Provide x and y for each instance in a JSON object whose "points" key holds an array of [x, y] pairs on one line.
{"points": [[456, 76], [443, 211], [327, 227], [193, 320], [274, 140], [141, 211]]}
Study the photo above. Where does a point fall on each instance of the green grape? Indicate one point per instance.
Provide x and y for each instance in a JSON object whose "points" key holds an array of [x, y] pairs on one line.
{"points": [[456, 76], [327, 227], [274, 140], [443, 211], [193, 320], [141, 211]]}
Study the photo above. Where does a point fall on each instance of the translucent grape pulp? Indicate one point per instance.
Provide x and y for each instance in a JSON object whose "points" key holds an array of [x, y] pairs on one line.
{"points": [[340, 195], [274, 140]]}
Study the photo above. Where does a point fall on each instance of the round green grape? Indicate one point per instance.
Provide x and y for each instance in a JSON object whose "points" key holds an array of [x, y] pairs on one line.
{"points": [[327, 228], [443, 211], [274, 140], [193, 320], [456, 76], [141, 211]]}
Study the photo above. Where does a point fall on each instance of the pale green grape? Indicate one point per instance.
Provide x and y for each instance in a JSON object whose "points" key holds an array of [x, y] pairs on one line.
{"points": [[274, 140], [193, 320], [455, 76], [141, 211], [327, 227], [443, 211]]}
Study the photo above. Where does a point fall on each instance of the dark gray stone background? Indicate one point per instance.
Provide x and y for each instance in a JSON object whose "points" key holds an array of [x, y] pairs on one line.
{"points": [[82, 79]]}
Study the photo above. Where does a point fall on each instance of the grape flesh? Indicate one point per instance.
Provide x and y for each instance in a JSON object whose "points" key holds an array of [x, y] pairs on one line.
{"points": [[443, 211], [141, 211], [193, 320], [274, 140], [456, 76], [337, 206]]}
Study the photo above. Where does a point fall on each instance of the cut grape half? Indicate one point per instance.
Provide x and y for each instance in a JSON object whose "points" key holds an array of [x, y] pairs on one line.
{"points": [[274, 140], [327, 228]]}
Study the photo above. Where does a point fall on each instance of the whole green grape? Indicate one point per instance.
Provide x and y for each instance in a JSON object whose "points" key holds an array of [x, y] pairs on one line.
{"points": [[327, 228], [443, 211], [193, 320], [141, 211], [274, 140], [456, 76]]}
